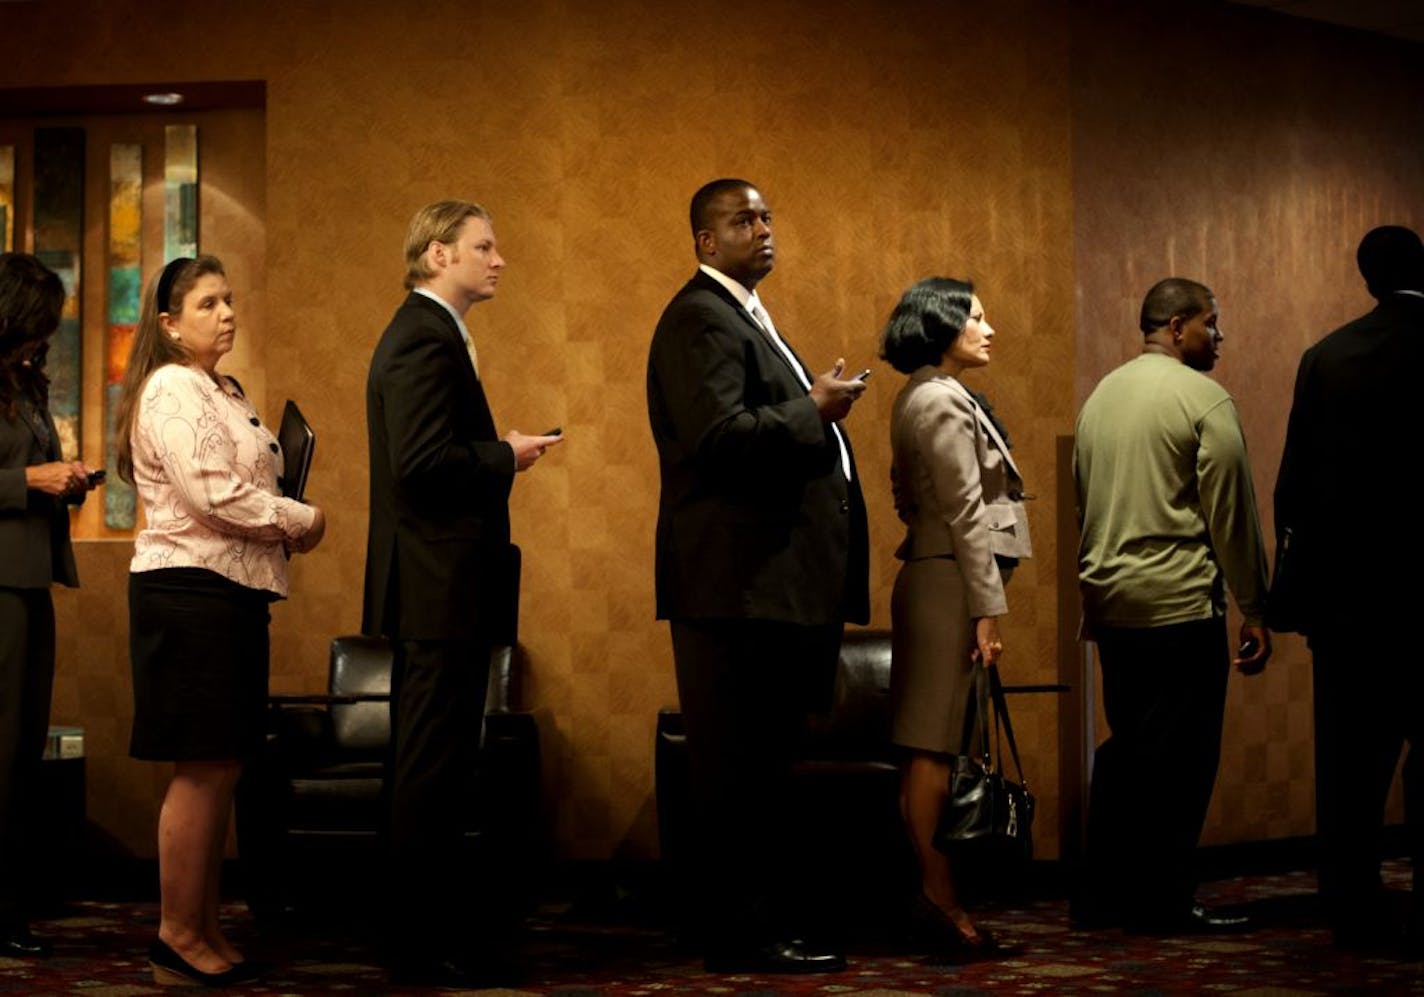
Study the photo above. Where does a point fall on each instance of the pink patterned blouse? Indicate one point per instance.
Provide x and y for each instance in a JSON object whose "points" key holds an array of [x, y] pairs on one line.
{"points": [[206, 469]]}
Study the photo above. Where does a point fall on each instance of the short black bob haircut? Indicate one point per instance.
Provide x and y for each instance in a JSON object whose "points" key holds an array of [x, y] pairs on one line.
{"points": [[926, 322]]}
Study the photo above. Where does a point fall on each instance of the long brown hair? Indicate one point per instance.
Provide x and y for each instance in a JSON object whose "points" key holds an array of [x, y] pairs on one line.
{"points": [[151, 348], [31, 303]]}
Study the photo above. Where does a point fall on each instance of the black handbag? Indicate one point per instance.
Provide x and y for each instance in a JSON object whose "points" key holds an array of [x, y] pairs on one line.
{"points": [[988, 818]]}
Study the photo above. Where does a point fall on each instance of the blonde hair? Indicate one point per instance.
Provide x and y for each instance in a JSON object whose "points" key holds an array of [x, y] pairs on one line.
{"points": [[151, 348], [438, 222]]}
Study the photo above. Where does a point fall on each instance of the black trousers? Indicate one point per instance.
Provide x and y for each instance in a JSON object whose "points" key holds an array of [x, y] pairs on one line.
{"points": [[1164, 690], [437, 710], [1368, 704], [746, 687], [26, 685]]}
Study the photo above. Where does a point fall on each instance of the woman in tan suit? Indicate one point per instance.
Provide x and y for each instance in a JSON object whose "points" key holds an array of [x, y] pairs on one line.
{"points": [[960, 495]]}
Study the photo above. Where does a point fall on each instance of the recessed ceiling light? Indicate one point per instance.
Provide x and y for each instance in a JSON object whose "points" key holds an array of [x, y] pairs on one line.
{"points": [[163, 99]]}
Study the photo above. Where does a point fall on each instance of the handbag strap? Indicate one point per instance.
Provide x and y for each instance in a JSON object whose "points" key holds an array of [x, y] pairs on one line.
{"points": [[981, 711], [1001, 715]]}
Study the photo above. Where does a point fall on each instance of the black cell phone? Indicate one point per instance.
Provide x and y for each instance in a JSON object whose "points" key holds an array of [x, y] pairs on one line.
{"points": [[556, 431], [1248, 647], [97, 477], [863, 375]]}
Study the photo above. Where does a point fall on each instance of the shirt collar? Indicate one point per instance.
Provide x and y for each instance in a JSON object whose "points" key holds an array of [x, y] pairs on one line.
{"points": [[744, 297], [459, 321]]}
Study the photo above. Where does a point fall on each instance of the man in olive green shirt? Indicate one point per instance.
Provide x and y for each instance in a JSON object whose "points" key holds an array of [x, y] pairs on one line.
{"points": [[1168, 518]]}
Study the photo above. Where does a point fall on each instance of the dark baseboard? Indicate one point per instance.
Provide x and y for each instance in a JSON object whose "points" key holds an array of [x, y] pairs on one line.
{"points": [[631, 890]]}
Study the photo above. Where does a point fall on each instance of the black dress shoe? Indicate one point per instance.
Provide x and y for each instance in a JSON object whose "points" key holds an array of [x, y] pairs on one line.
{"points": [[792, 956], [1199, 919], [20, 944]]}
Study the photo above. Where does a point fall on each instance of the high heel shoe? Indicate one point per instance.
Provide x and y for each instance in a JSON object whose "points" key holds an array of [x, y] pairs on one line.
{"points": [[171, 970], [948, 944]]}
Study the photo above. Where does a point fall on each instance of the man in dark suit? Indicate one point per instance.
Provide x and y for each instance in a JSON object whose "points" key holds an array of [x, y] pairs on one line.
{"points": [[1355, 417], [440, 571], [761, 558]]}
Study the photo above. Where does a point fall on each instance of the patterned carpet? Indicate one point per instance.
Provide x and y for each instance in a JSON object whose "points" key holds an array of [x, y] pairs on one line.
{"points": [[101, 952]]}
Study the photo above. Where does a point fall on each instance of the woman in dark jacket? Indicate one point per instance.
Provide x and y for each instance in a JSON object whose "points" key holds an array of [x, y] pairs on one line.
{"points": [[36, 486]]}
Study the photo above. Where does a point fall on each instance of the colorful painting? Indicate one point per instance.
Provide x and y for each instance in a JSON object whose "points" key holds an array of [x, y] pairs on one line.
{"points": [[125, 291], [180, 191], [59, 241], [7, 198]]}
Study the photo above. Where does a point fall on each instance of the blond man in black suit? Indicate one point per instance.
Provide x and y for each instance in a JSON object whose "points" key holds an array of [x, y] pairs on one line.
{"points": [[440, 571]]}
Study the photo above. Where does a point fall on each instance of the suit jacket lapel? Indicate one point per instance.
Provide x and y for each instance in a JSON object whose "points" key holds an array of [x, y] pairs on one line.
{"points": [[707, 283], [987, 425], [452, 330]]}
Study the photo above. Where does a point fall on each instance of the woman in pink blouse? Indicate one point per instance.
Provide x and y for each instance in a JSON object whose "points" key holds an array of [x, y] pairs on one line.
{"points": [[210, 559]]}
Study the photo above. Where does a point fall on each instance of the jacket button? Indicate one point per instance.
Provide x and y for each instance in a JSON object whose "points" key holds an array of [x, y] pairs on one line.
{"points": [[845, 506]]}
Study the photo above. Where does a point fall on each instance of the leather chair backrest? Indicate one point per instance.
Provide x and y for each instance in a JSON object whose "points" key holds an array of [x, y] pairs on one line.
{"points": [[858, 724], [361, 665]]}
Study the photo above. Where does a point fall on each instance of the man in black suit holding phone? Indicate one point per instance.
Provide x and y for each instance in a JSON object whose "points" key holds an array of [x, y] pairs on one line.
{"points": [[762, 555], [440, 570], [1356, 412]]}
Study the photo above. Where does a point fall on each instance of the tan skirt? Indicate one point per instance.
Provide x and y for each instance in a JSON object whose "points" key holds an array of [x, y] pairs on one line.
{"points": [[931, 675]]}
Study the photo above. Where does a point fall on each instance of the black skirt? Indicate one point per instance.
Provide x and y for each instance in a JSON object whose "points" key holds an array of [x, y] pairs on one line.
{"points": [[198, 643]]}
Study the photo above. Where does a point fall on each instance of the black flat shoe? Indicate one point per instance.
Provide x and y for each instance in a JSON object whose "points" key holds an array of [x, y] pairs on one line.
{"points": [[791, 956], [171, 970], [20, 944]]}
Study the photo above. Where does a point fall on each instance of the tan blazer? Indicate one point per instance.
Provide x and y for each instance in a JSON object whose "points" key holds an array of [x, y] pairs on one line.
{"points": [[956, 486]]}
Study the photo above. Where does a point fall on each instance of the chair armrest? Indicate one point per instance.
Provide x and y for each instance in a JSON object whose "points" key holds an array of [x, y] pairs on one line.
{"points": [[327, 699], [670, 723], [672, 787], [511, 727]]}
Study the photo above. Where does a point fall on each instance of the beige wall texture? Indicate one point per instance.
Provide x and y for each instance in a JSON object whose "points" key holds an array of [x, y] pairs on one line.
{"points": [[892, 141]]}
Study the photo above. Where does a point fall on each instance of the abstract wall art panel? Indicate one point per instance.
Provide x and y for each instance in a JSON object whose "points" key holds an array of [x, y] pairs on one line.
{"points": [[180, 191], [59, 239], [125, 289], [7, 198]]}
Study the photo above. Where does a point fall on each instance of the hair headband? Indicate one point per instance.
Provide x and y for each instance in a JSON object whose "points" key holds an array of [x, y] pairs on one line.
{"points": [[166, 279]]}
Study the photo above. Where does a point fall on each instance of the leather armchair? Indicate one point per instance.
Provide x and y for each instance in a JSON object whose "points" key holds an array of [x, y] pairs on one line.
{"points": [[311, 809], [852, 865]]}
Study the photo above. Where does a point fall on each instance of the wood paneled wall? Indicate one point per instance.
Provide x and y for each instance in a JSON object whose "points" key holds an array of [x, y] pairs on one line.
{"points": [[892, 142]]}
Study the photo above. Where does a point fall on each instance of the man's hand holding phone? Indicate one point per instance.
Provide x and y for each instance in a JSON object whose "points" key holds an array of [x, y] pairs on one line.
{"points": [[528, 449], [833, 396], [1254, 651]]}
